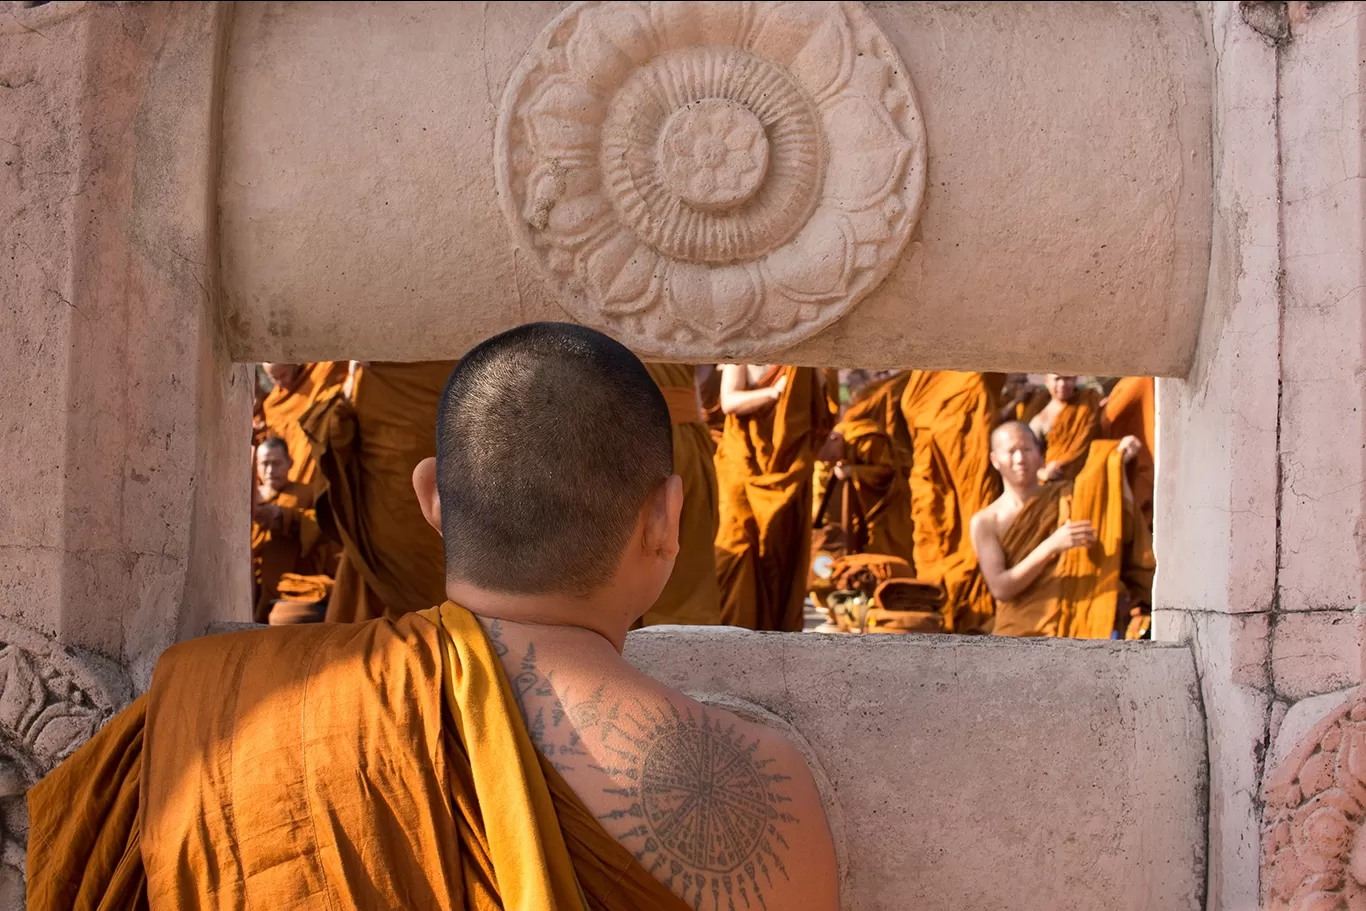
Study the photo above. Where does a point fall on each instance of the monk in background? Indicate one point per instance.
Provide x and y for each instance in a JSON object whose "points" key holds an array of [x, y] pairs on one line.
{"points": [[875, 460], [300, 391], [950, 416], [368, 446], [1063, 558], [692, 596], [1021, 399], [285, 537], [1131, 410], [1068, 424], [709, 388], [775, 419], [494, 752]]}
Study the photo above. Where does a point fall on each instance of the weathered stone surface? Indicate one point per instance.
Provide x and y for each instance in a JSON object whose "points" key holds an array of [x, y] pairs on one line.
{"points": [[410, 255], [1314, 652], [982, 773]]}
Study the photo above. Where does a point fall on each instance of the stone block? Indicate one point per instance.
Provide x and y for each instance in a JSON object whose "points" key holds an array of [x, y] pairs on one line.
{"points": [[981, 773], [1315, 652]]}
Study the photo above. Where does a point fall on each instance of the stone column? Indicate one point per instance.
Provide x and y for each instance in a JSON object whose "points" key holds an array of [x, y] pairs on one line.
{"points": [[1262, 474], [124, 495]]}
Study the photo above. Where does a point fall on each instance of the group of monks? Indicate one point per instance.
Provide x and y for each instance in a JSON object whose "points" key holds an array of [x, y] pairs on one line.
{"points": [[911, 476]]}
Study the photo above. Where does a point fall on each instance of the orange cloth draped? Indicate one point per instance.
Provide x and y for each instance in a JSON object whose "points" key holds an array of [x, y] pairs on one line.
{"points": [[878, 467], [393, 561], [1075, 427], [295, 546], [315, 387], [709, 391], [763, 469], [1132, 411], [1079, 594], [951, 415], [1030, 407], [376, 765], [692, 595]]}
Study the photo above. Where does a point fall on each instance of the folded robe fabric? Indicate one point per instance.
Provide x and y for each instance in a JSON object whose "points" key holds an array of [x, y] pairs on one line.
{"points": [[1074, 428], [764, 473], [878, 467], [1131, 410], [375, 765], [315, 388], [692, 595]]}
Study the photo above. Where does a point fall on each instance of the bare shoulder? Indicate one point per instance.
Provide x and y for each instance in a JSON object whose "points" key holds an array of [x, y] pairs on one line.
{"points": [[983, 522], [731, 808]]}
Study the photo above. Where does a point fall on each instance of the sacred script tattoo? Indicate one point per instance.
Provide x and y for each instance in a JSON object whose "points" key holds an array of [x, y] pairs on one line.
{"points": [[701, 807]]}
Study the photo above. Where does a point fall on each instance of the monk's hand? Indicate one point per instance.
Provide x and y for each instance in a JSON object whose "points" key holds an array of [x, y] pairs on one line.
{"points": [[1051, 472], [1129, 447], [1072, 534], [778, 387], [840, 471], [267, 515]]}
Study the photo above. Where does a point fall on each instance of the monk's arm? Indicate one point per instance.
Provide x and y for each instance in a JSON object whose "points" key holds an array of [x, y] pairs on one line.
{"points": [[1009, 582], [737, 399]]}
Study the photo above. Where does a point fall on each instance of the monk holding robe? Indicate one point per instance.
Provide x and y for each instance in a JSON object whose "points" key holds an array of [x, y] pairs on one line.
{"points": [[301, 391], [1131, 410], [950, 415], [285, 538], [368, 446], [692, 595], [493, 752], [1062, 558], [875, 461], [775, 419], [1067, 425]]}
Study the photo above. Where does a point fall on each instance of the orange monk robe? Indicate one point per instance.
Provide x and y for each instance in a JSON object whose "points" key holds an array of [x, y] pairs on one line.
{"points": [[316, 386], [951, 416], [763, 469], [296, 545], [1075, 427], [1079, 594], [878, 469], [393, 561], [692, 595], [377, 765], [1037, 401], [1131, 410], [710, 391]]}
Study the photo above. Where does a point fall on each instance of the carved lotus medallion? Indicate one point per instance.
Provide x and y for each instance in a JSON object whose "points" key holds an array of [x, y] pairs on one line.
{"points": [[711, 179]]}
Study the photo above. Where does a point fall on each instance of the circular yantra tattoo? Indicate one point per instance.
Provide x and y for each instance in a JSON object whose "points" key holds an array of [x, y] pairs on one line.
{"points": [[705, 799]]}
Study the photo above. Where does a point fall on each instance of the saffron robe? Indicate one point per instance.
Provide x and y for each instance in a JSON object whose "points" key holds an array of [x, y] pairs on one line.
{"points": [[878, 467], [376, 765], [296, 546], [393, 562], [1079, 593], [692, 595], [1131, 410], [951, 415], [1074, 428], [763, 469], [316, 387]]}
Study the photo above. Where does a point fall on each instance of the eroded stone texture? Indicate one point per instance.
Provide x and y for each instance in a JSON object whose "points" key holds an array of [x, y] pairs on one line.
{"points": [[695, 175]]}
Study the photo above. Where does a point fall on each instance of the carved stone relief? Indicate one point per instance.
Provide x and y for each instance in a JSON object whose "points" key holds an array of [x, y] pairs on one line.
{"points": [[1313, 842], [699, 178], [52, 700]]}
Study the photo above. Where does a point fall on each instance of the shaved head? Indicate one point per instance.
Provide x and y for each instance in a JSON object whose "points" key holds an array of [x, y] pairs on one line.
{"points": [[550, 439], [1011, 431]]}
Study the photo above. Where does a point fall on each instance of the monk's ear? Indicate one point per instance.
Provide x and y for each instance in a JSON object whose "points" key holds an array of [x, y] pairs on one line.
{"points": [[662, 513], [428, 497]]}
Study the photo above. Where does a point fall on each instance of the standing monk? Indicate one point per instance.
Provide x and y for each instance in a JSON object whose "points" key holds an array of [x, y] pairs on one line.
{"points": [[1067, 425], [775, 419], [876, 464], [300, 391], [285, 537], [950, 415], [391, 560], [1131, 410], [692, 595], [1062, 558]]}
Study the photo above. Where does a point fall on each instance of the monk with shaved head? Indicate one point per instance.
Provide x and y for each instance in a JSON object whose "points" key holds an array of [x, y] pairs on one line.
{"points": [[1061, 558], [493, 752]]}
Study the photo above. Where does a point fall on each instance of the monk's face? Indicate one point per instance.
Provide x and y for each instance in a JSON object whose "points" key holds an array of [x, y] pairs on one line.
{"points": [[1016, 455], [272, 465], [281, 374], [1062, 388]]}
